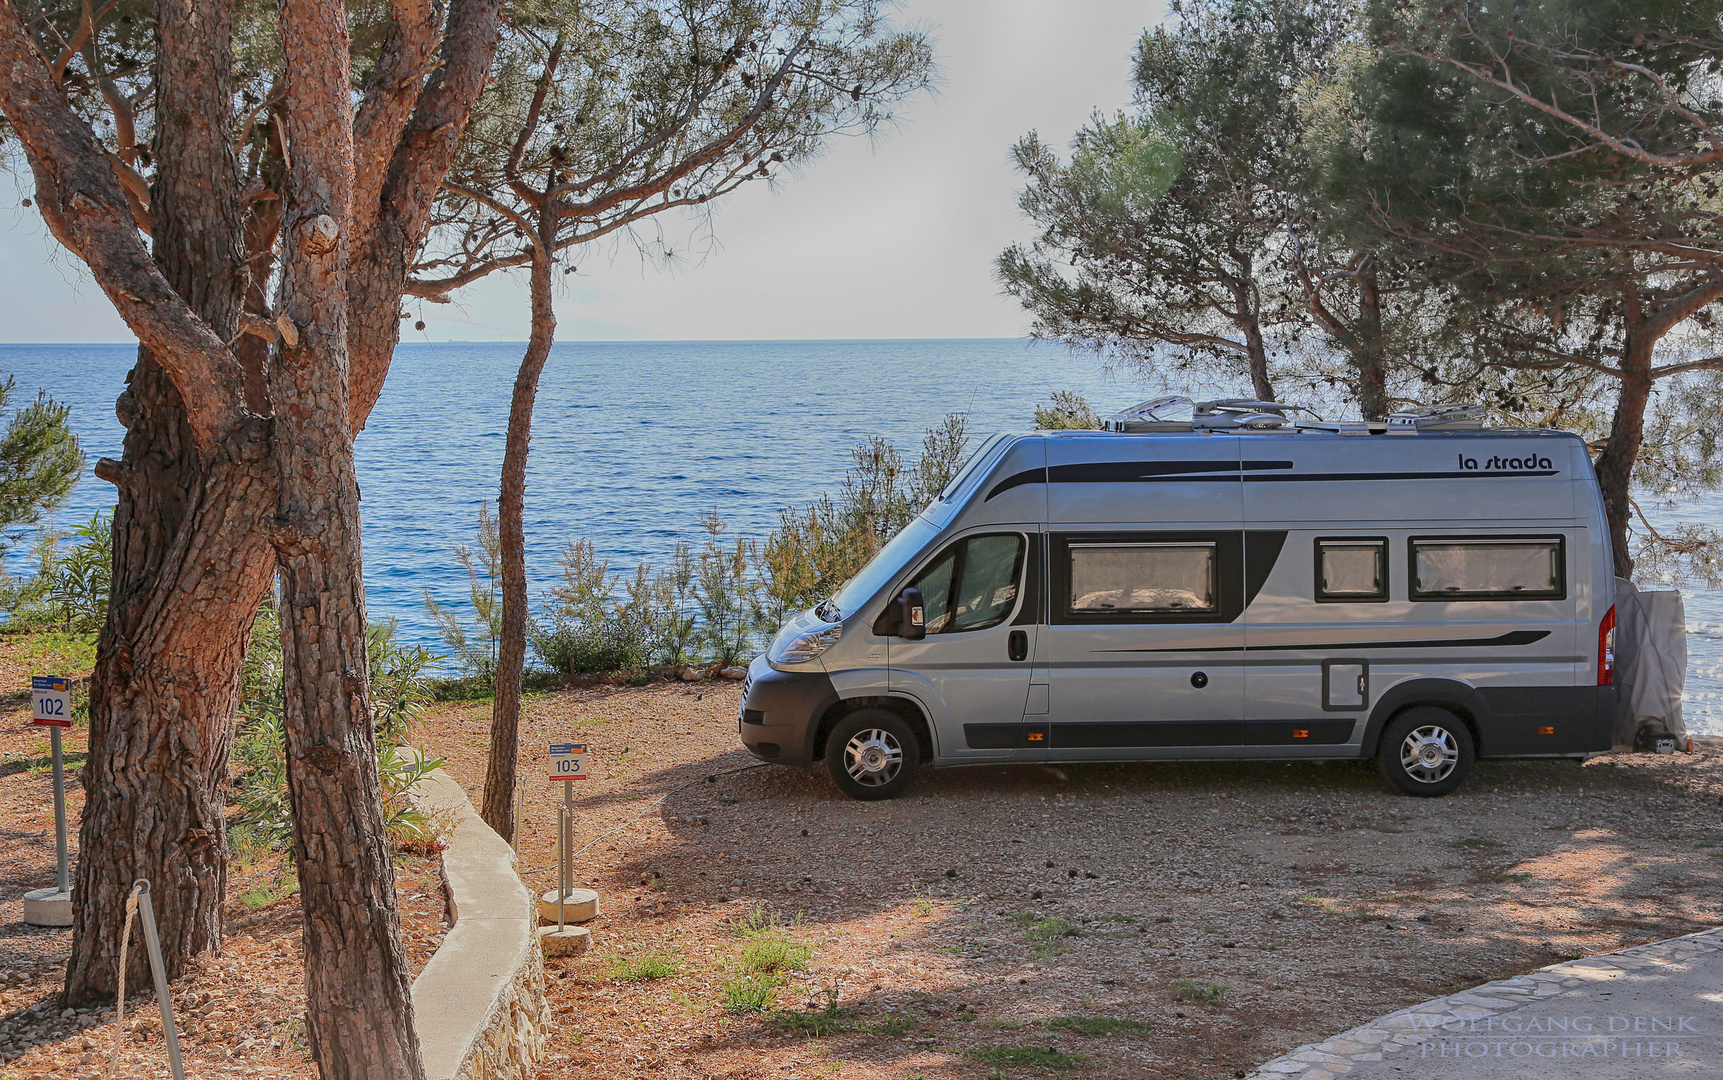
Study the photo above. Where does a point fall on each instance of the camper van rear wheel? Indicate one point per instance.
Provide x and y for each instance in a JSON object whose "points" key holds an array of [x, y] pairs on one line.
{"points": [[872, 754], [1425, 751]]}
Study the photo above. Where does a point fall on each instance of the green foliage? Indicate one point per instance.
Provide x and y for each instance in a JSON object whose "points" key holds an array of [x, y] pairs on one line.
{"points": [[1097, 1025], [1039, 1058], [69, 590], [1068, 411], [40, 460], [749, 991], [1210, 992], [67, 653], [766, 942], [1163, 242], [817, 548], [596, 622], [657, 965], [1543, 164], [714, 606], [400, 688], [475, 650]]}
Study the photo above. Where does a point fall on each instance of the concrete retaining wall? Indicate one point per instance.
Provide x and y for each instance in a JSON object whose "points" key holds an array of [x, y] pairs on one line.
{"points": [[480, 1002]]}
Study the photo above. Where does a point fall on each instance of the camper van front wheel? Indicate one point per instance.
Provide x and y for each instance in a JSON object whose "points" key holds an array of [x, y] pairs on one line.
{"points": [[1426, 751], [872, 754]]}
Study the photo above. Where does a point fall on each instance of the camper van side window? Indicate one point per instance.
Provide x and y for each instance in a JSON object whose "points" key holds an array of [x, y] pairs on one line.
{"points": [[1152, 578], [1351, 570], [972, 584], [1505, 568]]}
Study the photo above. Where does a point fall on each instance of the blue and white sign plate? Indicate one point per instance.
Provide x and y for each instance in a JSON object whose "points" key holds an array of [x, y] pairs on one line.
{"points": [[51, 701], [568, 761]]}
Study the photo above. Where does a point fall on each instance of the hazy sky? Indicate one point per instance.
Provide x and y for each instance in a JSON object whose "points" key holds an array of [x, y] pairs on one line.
{"points": [[890, 240]]}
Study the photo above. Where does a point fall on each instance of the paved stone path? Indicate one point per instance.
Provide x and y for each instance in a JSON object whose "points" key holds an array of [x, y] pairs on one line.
{"points": [[1650, 1011]]}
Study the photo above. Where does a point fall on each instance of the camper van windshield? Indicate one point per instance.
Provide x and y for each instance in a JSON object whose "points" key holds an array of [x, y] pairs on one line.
{"points": [[870, 579]]}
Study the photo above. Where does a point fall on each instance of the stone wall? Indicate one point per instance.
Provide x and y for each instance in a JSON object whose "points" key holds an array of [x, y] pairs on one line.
{"points": [[480, 1003]]}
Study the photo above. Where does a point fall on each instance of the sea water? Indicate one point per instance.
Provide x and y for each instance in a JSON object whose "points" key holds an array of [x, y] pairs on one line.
{"points": [[634, 442]]}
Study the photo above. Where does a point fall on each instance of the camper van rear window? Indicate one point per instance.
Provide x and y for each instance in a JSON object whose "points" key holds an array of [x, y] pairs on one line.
{"points": [[1488, 569], [1161, 578], [1351, 570]]}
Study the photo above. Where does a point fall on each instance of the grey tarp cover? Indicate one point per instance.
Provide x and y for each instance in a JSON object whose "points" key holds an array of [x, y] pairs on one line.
{"points": [[1650, 660]]}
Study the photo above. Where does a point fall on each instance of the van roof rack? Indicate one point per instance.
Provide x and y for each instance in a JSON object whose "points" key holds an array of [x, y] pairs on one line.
{"points": [[1175, 412], [1437, 418]]}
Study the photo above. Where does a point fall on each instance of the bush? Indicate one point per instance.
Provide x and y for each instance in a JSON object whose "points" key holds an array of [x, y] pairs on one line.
{"points": [[400, 688], [716, 606], [69, 590], [475, 651], [1068, 411]]}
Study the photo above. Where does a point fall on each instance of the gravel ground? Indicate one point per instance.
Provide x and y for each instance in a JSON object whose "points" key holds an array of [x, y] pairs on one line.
{"points": [[1144, 920], [240, 1014]]}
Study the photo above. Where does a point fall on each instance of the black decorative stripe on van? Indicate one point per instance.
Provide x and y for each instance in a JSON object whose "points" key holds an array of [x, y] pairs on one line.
{"points": [[1134, 472], [1208, 472], [1508, 640], [1471, 474]]}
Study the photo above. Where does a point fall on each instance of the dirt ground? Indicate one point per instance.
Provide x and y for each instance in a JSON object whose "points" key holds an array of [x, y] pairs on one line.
{"points": [[240, 1015], [1143, 920]]}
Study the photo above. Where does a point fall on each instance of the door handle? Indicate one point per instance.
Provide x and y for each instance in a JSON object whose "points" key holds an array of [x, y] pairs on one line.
{"points": [[1018, 645]]}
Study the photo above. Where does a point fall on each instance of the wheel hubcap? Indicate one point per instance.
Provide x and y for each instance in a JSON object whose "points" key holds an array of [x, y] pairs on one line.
{"points": [[873, 757], [1429, 754]]}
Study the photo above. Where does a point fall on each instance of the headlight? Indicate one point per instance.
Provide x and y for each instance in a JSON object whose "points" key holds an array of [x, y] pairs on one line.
{"points": [[795, 645]]}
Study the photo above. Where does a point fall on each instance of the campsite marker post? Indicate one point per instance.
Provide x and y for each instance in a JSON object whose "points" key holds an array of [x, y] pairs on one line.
{"points": [[51, 707]]}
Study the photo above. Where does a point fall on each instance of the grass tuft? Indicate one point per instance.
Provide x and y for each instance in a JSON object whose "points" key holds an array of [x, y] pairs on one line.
{"points": [[1187, 990], [750, 991], [1031, 1057], [1097, 1025], [658, 965]]}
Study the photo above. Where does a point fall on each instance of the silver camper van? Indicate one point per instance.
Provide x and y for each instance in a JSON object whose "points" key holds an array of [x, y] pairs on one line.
{"points": [[1217, 581]]}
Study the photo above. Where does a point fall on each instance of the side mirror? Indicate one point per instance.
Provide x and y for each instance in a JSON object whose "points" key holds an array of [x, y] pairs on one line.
{"points": [[911, 615]]}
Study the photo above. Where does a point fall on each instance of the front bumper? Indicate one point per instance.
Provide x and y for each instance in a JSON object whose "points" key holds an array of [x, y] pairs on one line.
{"points": [[781, 712]]}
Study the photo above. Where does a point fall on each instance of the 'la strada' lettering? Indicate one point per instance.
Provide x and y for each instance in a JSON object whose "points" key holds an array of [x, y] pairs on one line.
{"points": [[1507, 464]]}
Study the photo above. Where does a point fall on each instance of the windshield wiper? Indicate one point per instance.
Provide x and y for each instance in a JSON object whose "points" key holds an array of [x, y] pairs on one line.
{"points": [[827, 610]]}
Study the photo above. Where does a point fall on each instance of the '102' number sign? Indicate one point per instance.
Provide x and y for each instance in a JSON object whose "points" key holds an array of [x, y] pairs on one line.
{"points": [[568, 761], [50, 701]]}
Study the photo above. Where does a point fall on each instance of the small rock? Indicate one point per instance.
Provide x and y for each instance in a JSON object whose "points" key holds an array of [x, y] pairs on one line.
{"points": [[690, 675], [734, 674]]}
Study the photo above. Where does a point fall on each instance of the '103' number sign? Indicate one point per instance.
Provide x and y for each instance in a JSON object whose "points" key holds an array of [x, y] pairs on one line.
{"points": [[568, 761]]}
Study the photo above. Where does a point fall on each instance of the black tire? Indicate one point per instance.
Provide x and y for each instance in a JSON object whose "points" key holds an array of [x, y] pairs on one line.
{"points": [[872, 754], [1426, 751]]}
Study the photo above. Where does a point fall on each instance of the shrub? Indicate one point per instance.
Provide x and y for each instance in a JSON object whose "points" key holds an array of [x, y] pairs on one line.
{"points": [[1068, 411], [475, 651], [399, 690], [69, 590]]}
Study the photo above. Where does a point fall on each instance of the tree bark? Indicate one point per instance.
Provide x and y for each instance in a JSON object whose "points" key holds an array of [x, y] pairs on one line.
{"points": [[1256, 353], [1368, 353], [358, 1001], [1626, 435], [189, 566], [511, 533]]}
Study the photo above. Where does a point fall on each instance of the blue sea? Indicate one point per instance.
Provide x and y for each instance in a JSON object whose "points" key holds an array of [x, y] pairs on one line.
{"points": [[633, 442]]}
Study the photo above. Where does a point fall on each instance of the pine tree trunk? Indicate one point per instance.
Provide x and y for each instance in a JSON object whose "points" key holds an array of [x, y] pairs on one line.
{"points": [[357, 991], [500, 769], [190, 566], [1626, 434], [1257, 353], [1369, 355]]}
